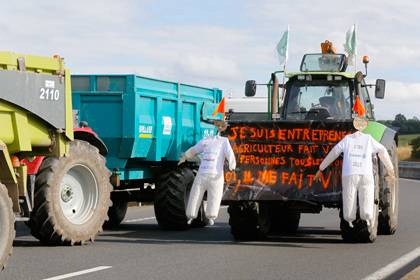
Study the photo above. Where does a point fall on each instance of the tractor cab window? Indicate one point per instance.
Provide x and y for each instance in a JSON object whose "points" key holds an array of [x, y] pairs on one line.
{"points": [[365, 100], [318, 100], [323, 63]]}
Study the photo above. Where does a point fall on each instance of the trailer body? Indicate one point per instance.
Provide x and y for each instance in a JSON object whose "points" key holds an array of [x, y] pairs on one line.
{"points": [[146, 124]]}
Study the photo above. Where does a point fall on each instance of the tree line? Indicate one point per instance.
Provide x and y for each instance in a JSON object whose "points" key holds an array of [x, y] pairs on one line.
{"points": [[404, 125]]}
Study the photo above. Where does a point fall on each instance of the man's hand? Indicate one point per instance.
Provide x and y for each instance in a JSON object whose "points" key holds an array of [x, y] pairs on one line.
{"points": [[390, 179], [317, 177], [182, 160]]}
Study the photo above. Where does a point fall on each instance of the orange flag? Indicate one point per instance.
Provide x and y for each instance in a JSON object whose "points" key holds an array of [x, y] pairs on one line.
{"points": [[358, 107], [220, 108]]}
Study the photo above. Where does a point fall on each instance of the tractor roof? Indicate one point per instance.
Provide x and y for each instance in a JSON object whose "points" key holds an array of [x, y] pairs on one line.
{"points": [[349, 75]]}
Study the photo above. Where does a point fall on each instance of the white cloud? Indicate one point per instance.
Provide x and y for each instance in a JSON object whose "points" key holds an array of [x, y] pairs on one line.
{"points": [[209, 67], [399, 98], [105, 36]]}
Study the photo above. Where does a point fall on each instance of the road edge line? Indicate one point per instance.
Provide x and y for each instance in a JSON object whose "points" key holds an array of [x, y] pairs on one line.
{"points": [[394, 266], [78, 273]]}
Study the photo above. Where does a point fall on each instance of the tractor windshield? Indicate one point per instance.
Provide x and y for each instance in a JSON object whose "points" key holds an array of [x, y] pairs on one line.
{"points": [[318, 100]]}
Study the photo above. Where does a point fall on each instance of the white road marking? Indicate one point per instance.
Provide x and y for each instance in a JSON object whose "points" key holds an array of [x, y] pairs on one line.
{"points": [[191, 241], [394, 266], [73, 274], [151, 218], [139, 219]]}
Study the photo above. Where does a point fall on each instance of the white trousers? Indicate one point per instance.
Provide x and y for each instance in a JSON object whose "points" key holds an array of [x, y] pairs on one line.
{"points": [[213, 184], [361, 186]]}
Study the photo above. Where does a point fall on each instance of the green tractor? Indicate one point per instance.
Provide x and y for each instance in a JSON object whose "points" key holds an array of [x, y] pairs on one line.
{"points": [[279, 151], [51, 176]]}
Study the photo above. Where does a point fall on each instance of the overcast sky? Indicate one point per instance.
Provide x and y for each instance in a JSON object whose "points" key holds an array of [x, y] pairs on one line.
{"points": [[219, 43]]}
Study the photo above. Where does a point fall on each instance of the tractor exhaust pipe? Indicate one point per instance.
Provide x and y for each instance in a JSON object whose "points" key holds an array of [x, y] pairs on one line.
{"points": [[274, 97]]}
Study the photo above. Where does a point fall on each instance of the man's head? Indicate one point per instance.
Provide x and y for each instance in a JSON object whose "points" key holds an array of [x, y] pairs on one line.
{"points": [[360, 123], [221, 125]]}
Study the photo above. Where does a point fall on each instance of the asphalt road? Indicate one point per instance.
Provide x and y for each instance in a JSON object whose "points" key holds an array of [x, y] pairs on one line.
{"points": [[140, 250]]}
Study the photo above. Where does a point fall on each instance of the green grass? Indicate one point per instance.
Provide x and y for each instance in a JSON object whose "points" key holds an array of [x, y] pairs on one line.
{"points": [[404, 140]]}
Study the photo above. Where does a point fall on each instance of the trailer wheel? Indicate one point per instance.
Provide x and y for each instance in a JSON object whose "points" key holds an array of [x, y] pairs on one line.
{"points": [[249, 220], [72, 196], [361, 232], [388, 216], [116, 213], [7, 228], [171, 198], [201, 220], [284, 220]]}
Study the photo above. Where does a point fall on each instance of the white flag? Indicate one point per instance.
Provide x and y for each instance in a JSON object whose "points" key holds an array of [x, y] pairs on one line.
{"points": [[351, 44], [283, 47]]}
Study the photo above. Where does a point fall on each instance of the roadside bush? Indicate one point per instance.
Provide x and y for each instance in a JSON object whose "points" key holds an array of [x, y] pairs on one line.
{"points": [[404, 153], [415, 144]]}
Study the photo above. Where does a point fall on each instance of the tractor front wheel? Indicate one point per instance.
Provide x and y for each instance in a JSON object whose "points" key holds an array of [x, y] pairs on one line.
{"points": [[7, 227], [72, 196], [249, 220]]}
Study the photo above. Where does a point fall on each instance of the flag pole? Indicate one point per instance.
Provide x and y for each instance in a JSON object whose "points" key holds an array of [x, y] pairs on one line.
{"points": [[285, 63], [355, 48]]}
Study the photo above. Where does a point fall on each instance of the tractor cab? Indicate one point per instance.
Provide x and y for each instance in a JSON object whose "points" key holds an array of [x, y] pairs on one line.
{"points": [[323, 89]]}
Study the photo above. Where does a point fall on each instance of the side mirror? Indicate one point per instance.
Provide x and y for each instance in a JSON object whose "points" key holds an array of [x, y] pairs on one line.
{"points": [[250, 88], [380, 88]]}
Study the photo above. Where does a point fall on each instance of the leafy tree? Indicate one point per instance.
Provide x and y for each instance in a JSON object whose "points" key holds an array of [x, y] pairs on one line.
{"points": [[400, 118], [404, 125]]}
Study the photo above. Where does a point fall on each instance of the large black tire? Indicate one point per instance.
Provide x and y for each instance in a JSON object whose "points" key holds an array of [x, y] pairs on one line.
{"points": [[116, 213], [389, 199], [284, 220], [361, 232], [72, 197], [7, 226], [249, 220], [172, 192]]}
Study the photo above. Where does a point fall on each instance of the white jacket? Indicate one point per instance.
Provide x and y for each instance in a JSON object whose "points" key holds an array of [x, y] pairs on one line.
{"points": [[214, 150], [357, 149]]}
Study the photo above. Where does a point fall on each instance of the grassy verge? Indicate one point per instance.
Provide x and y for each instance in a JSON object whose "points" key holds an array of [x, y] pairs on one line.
{"points": [[404, 148], [404, 140]]}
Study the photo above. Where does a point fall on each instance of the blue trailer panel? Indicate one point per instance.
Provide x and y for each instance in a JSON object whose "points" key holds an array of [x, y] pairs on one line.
{"points": [[144, 122]]}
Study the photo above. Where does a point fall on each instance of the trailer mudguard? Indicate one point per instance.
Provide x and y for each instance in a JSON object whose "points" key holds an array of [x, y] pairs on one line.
{"points": [[381, 133], [87, 134]]}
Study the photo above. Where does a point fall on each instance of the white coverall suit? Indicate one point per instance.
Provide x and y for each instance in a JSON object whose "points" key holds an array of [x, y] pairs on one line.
{"points": [[357, 173], [210, 177]]}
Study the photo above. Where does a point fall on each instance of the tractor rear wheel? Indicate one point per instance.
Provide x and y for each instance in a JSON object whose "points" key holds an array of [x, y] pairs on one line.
{"points": [[249, 220], [172, 192], [72, 196], [7, 226], [388, 216]]}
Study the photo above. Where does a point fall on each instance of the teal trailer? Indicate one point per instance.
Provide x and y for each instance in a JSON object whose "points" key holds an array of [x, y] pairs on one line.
{"points": [[146, 124]]}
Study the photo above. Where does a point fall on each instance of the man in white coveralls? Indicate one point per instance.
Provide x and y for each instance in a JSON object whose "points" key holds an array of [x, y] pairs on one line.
{"points": [[210, 176], [357, 172]]}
